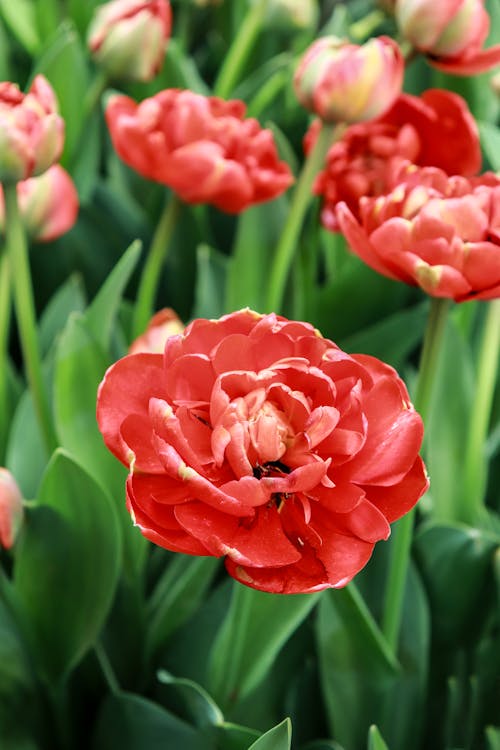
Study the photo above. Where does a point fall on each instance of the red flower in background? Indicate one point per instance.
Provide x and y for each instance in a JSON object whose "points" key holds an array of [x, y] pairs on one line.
{"points": [[256, 439], [434, 129], [163, 324], [450, 32], [437, 232], [201, 147]]}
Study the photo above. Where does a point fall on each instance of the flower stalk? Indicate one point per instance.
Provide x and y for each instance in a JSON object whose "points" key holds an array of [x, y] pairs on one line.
{"points": [[301, 199], [403, 531], [5, 306], [17, 252]]}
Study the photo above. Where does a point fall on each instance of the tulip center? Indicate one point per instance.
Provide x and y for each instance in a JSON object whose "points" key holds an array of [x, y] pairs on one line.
{"points": [[273, 469]]}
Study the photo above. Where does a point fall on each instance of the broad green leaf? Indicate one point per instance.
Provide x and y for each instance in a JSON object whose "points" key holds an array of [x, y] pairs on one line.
{"points": [[12, 389], [177, 595], [258, 231], [455, 562], [103, 310], [253, 633], [67, 565], [277, 738], [356, 667], [64, 63], [20, 18], [234, 737], [131, 722], [322, 745], [16, 677], [210, 283], [493, 738], [180, 71], [48, 17], [70, 297], [490, 141], [375, 739], [198, 707], [5, 74]]}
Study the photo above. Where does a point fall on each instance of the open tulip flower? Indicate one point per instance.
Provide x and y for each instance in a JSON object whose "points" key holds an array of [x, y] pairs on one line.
{"points": [[31, 131], [438, 232], [255, 438], [201, 147], [434, 129], [450, 32]]}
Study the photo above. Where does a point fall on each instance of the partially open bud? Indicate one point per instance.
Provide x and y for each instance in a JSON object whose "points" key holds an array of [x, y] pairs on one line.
{"points": [[48, 204], [292, 14], [11, 509], [343, 82], [128, 38], [31, 131], [450, 32]]}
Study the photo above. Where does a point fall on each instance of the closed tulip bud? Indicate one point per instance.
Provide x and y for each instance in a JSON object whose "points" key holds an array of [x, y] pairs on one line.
{"points": [[48, 204], [163, 324], [128, 38], [11, 509], [343, 82], [450, 32], [31, 131], [292, 14]]}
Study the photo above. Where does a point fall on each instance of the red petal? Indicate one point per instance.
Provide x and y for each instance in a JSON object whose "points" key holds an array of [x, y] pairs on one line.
{"points": [[395, 501]]}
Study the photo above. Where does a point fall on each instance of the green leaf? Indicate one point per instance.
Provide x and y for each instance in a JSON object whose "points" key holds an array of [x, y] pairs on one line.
{"points": [[490, 141], [234, 737], [70, 297], [177, 595], [277, 738], [130, 722], [103, 310], [21, 20], [375, 739], [199, 708], [210, 283], [48, 17], [16, 677], [252, 634], [456, 562], [356, 667], [64, 63], [493, 738], [67, 566], [26, 455]]}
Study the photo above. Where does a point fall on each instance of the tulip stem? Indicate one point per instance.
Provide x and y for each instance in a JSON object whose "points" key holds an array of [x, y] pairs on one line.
{"points": [[94, 93], [474, 477], [403, 531], [4, 345], [301, 199], [155, 260], [24, 305], [240, 49]]}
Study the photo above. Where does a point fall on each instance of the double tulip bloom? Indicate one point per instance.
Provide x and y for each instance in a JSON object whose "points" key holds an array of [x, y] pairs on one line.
{"points": [[434, 129], [450, 32], [128, 38], [31, 131], [437, 232], [201, 147], [256, 439], [342, 82]]}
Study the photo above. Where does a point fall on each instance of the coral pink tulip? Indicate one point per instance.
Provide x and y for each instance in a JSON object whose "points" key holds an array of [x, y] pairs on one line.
{"points": [[11, 509]]}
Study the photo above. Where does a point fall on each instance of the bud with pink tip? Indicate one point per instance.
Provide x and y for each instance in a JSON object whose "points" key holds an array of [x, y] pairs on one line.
{"points": [[11, 509]]}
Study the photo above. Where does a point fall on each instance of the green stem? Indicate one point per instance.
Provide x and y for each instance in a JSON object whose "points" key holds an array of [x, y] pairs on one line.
{"points": [[301, 199], [240, 49], [403, 531], [155, 260], [25, 313], [366, 26], [4, 345], [487, 369], [94, 93]]}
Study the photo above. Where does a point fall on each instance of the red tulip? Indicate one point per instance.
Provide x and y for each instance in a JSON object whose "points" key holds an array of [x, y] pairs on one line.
{"points": [[435, 129], [31, 131], [128, 38], [201, 147], [48, 204], [162, 325], [450, 32], [255, 438], [438, 232], [11, 509], [342, 82]]}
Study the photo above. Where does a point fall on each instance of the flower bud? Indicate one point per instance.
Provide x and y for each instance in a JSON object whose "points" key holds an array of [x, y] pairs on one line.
{"points": [[31, 131], [128, 38], [48, 204], [343, 82], [11, 509], [292, 14], [451, 33], [164, 324]]}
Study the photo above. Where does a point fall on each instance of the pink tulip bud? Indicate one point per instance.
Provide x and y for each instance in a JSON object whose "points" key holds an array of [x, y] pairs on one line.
{"points": [[287, 15], [31, 131], [343, 82], [11, 509], [128, 38], [164, 324], [450, 32], [48, 204]]}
